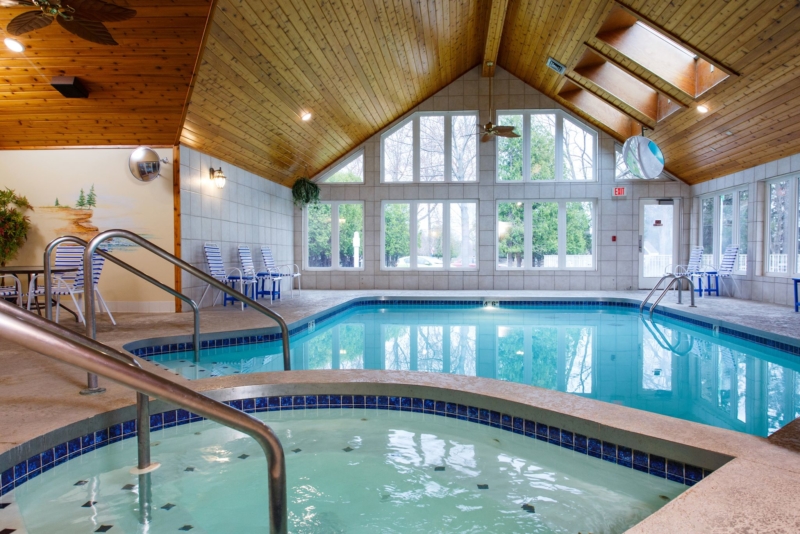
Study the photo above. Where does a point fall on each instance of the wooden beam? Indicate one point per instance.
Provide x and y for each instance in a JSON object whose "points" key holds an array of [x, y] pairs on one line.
{"points": [[176, 218], [497, 18]]}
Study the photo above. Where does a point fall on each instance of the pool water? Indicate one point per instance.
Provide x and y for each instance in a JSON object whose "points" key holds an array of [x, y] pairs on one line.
{"points": [[611, 354], [353, 471]]}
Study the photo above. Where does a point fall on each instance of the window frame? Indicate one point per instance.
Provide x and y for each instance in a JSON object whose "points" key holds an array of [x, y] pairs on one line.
{"points": [[716, 243], [322, 178], [562, 234], [445, 235], [559, 155], [448, 147], [793, 204], [335, 237]]}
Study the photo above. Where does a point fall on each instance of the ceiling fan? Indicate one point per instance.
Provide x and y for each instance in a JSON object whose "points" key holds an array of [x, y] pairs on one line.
{"points": [[489, 129], [83, 18]]}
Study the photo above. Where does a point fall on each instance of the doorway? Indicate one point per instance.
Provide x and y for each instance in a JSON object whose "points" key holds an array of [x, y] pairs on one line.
{"points": [[659, 224]]}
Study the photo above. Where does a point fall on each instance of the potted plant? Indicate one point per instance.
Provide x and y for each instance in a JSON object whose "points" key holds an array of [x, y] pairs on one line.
{"points": [[14, 224], [305, 192]]}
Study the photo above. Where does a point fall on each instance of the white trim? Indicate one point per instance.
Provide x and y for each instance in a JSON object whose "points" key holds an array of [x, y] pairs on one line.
{"points": [[322, 178], [560, 116], [334, 204], [445, 235], [448, 146], [562, 234], [716, 242]]}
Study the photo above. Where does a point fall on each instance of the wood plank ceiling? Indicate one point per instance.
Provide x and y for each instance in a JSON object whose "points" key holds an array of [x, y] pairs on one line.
{"points": [[137, 89], [354, 65]]}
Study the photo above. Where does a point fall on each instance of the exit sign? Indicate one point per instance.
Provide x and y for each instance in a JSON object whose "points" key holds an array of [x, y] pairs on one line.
{"points": [[620, 192]]}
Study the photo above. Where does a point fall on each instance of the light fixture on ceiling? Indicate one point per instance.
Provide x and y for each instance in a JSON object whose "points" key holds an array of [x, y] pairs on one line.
{"points": [[490, 63], [218, 177], [702, 109], [306, 116], [729, 132], [13, 45]]}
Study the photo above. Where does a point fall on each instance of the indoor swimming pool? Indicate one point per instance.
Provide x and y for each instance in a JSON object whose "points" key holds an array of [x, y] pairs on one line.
{"points": [[607, 353], [349, 470]]}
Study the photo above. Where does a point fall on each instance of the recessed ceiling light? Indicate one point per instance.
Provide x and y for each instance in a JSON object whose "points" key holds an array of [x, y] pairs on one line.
{"points": [[729, 132], [13, 45], [702, 109], [306, 116]]}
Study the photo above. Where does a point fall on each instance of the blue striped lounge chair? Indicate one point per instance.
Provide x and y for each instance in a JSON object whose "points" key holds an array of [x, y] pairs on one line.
{"points": [[71, 284], [723, 272], [249, 270], [288, 271], [230, 277], [10, 288], [693, 267]]}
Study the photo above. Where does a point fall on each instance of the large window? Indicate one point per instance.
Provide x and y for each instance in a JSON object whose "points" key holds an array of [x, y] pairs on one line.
{"points": [[334, 233], [348, 171], [430, 235], [431, 147], [546, 234], [551, 147], [724, 221], [783, 227]]}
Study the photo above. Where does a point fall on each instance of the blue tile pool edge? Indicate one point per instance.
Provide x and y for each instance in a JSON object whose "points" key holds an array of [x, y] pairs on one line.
{"points": [[689, 475], [142, 349]]}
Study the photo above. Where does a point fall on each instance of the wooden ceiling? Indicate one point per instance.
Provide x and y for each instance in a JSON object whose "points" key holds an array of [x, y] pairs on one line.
{"points": [[357, 65], [354, 65], [137, 89]]}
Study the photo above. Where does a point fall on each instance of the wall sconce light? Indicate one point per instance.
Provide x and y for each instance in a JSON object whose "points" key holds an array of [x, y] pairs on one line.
{"points": [[218, 177]]}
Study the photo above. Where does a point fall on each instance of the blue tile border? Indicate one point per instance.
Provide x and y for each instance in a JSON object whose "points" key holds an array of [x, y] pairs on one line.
{"points": [[167, 348], [623, 456]]}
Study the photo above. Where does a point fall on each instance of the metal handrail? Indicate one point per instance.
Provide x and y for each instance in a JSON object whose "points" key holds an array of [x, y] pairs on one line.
{"points": [[68, 349], [91, 326], [48, 291], [664, 293], [641, 306]]}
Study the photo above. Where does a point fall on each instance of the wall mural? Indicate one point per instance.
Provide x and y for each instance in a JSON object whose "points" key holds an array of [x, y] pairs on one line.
{"points": [[86, 214]]}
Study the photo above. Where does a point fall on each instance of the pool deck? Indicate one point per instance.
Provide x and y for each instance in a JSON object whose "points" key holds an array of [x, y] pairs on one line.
{"points": [[755, 492]]}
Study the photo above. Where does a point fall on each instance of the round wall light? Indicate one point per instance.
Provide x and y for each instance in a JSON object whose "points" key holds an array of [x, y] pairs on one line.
{"points": [[13, 45]]}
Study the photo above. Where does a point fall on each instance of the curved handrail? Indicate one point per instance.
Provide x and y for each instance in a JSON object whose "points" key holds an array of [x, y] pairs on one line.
{"points": [[664, 293], [163, 254], [641, 306], [48, 251], [661, 338], [46, 341]]}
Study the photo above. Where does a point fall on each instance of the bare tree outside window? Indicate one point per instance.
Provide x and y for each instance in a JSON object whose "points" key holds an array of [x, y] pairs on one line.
{"points": [[464, 148], [578, 152], [398, 155], [352, 172], [778, 217], [431, 148]]}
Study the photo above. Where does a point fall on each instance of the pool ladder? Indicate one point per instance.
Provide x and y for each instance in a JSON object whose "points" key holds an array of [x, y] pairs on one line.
{"points": [[675, 278], [50, 339], [664, 342]]}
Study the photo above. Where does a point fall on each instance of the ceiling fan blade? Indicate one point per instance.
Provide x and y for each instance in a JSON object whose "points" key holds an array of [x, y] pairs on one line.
{"points": [[507, 134], [486, 137], [27, 22], [100, 11], [16, 3], [90, 30], [504, 128]]}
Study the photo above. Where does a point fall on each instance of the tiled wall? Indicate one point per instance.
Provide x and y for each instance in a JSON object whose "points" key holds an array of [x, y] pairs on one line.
{"points": [[617, 265], [249, 210], [754, 285]]}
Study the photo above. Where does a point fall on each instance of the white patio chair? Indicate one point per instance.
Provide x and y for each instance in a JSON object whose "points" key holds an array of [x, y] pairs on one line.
{"points": [[249, 269], [11, 291], [288, 271], [721, 273], [217, 269]]}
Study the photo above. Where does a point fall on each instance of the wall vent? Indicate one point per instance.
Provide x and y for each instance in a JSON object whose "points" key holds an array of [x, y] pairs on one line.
{"points": [[556, 66]]}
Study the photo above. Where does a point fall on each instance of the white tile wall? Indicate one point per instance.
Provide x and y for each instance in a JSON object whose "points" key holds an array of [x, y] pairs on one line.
{"points": [[249, 210], [755, 285], [617, 265]]}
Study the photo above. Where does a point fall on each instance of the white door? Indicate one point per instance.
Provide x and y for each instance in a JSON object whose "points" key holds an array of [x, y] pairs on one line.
{"points": [[659, 223]]}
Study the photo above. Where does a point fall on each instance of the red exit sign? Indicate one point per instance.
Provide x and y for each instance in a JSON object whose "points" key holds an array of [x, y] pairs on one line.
{"points": [[619, 192]]}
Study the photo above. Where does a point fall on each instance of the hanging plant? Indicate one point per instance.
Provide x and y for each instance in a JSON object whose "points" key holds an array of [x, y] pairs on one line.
{"points": [[14, 224], [305, 192]]}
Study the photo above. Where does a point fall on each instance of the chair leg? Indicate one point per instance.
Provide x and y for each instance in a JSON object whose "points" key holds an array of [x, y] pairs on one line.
{"points": [[78, 308], [58, 307], [103, 302]]}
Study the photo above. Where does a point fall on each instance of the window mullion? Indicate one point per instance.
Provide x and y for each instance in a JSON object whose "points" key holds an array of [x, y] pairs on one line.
{"points": [[559, 147], [446, 236], [335, 236], [448, 147], [527, 246], [562, 234], [792, 248], [412, 239], [415, 137], [526, 147]]}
